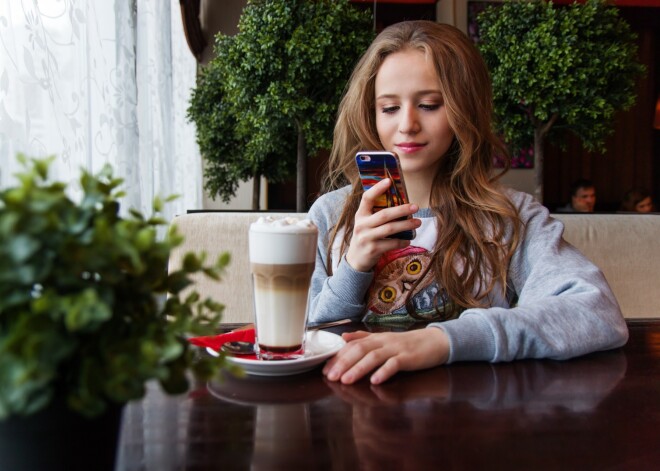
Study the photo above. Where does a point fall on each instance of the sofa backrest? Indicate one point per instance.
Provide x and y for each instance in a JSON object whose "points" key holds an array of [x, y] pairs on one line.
{"points": [[624, 246]]}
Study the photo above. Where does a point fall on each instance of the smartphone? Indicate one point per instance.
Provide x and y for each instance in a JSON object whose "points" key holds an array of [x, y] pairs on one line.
{"points": [[376, 166]]}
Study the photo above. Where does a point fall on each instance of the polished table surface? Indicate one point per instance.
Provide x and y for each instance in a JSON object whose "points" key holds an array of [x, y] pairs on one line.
{"points": [[600, 411]]}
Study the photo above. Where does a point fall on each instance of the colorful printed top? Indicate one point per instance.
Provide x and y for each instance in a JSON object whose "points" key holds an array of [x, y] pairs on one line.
{"points": [[403, 288]]}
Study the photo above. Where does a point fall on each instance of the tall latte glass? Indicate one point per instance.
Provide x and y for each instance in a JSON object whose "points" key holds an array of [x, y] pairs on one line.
{"points": [[282, 256]]}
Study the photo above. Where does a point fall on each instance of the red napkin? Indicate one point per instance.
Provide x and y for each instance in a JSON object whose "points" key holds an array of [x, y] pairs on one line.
{"points": [[216, 341]]}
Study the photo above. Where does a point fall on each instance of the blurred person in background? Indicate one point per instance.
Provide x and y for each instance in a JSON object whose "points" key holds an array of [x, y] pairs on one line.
{"points": [[583, 198], [637, 201]]}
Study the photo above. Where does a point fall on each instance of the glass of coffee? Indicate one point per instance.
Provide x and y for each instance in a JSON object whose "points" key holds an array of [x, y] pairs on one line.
{"points": [[282, 257]]}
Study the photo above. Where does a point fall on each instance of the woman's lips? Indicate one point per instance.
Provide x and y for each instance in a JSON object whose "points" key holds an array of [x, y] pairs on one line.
{"points": [[409, 147]]}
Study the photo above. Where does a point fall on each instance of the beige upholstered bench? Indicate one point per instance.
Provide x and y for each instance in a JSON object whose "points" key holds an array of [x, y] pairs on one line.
{"points": [[215, 233], [624, 246]]}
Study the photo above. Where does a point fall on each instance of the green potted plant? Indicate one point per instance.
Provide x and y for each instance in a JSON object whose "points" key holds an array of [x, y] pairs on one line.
{"points": [[88, 315], [269, 98], [557, 70]]}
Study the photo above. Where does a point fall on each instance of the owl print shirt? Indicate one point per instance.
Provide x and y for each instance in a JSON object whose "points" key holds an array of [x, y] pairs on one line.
{"points": [[403, 287]]}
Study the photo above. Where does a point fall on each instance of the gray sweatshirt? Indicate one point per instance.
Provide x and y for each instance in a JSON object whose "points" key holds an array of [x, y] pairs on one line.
{"points": [[564, 306]]}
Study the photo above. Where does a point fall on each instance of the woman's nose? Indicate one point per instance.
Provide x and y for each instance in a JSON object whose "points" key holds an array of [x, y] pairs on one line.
{"points": [[409, 121]]}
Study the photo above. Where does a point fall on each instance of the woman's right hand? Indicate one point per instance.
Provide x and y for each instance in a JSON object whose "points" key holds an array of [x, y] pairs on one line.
{"points": [[371, 229]]}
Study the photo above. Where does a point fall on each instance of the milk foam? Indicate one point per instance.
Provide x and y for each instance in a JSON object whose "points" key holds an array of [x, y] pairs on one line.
{"points": [[288, 224], [282, 241]]}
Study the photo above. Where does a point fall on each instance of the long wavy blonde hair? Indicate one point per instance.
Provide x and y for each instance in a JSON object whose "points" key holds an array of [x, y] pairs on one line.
{"points": [[474, 246]]}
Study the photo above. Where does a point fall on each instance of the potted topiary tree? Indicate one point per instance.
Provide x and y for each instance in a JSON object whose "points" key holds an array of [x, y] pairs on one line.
{"points": [[556, 70], [84, 322], [269, 97]]}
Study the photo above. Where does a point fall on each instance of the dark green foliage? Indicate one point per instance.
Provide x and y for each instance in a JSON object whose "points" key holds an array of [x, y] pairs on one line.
{"points": [[558, 68], [281, 75], [82, 308]]}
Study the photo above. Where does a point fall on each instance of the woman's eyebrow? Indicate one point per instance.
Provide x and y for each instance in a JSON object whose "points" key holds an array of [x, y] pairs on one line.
{"points": [[418, 93]]}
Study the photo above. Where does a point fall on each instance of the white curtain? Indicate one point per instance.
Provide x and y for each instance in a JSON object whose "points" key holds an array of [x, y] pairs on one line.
{"points": [[100, 81]]}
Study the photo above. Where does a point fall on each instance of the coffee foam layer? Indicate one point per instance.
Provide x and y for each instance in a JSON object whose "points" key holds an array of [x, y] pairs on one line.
{"points": [[282, 241], [285, 225]]}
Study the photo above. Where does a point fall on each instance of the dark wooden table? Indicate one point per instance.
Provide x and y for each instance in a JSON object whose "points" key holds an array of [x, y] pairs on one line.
{"points": [[600, 412]]}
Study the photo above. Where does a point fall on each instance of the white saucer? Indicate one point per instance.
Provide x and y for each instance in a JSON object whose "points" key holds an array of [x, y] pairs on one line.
{"points": [[319, 346]]}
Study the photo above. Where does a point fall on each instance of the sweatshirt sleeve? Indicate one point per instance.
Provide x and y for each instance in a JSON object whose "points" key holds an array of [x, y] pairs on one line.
{"points": [[565, 307], [342, 295]]}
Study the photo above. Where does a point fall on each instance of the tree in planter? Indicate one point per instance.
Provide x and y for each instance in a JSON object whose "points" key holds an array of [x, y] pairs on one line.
{"points": [[556, 70], [269, 97]]}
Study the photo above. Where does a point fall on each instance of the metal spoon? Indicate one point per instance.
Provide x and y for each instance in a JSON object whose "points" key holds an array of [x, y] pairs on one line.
{"points": [[238, 348], [247, 348]]}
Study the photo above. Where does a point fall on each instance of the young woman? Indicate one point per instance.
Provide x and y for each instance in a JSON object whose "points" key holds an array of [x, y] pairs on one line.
{"points": [[488, 266]]}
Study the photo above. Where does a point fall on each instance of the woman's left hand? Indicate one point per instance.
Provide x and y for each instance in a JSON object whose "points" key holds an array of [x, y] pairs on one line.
{"points": [[387, 353]]}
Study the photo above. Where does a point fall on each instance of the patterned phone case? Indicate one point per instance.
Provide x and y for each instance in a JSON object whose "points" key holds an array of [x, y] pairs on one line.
{"points": [[376, 166]]}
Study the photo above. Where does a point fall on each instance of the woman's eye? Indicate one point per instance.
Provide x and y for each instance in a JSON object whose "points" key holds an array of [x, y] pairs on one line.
{"points": [[429, 106], [389, 109]]}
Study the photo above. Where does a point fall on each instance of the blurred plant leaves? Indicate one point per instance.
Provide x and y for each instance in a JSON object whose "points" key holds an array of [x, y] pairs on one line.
{"points": [[88, 308]]}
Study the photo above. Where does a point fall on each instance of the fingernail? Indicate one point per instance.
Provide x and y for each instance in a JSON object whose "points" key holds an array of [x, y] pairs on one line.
{"points": [[414, 208]]}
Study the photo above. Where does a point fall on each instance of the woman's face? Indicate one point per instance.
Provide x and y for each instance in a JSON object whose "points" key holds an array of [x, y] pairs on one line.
{"points": [[644, 206], [411, 118]]}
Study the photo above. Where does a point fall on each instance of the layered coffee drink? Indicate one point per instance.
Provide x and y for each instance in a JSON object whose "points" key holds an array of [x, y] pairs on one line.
{"points": [[282, 258]]}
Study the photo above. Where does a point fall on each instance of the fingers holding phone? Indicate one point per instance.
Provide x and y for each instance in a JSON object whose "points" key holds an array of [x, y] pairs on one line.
{"points": [[372, 233], [383, 221], [401, 227]]}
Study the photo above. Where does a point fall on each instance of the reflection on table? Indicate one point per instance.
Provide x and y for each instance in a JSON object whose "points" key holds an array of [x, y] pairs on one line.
{"points": [[594, 412]]}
